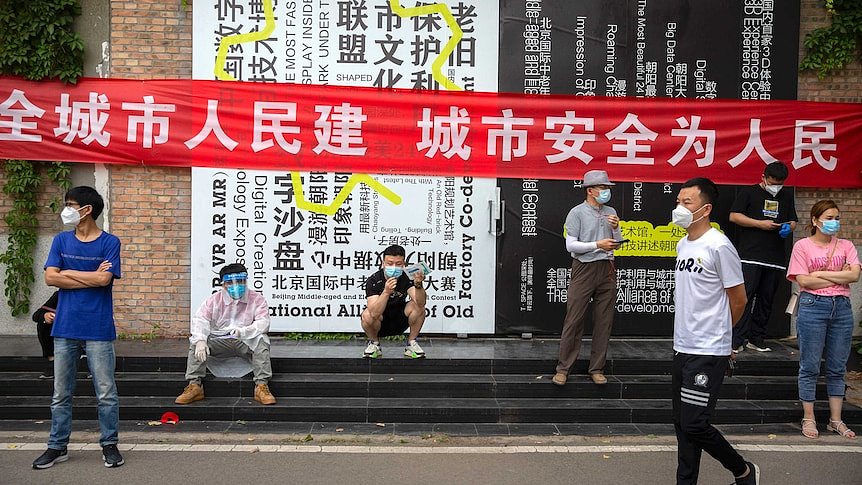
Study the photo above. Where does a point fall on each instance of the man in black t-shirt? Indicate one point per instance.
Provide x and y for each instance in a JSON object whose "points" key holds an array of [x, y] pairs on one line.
{"points": [[395, 303], [766, 215]]}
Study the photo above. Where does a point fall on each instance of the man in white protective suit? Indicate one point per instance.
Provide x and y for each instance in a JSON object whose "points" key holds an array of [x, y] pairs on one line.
{"points": [[229, 336]]}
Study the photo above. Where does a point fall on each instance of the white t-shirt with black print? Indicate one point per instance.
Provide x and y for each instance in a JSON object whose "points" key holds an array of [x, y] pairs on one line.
{"points": [[704, 269]]}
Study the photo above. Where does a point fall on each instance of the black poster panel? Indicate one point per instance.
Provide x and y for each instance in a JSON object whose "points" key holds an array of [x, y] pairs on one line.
{"points": [[694, 49], [718, 49], [534, 266]]}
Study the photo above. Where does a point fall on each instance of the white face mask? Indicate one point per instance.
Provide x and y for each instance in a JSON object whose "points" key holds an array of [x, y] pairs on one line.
{"points": [[70, 216], [773, 189], [682, 217]]}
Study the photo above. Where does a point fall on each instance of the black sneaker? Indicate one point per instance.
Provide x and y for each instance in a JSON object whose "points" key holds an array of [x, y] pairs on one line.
{"points": [[50, 457], [753, 477], [112, 456], [49, 371]]}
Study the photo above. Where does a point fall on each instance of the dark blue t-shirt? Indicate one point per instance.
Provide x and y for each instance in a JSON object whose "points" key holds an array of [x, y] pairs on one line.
{"points": [[85, 313]]}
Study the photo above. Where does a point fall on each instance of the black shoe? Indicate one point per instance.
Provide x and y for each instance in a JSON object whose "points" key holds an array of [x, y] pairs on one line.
{"points": [[753, 477], [112, 456], [49, 371], [50, 457]]}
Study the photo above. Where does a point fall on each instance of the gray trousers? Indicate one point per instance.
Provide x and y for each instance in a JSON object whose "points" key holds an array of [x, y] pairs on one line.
{"points": [[227, 347], [596, 280]]}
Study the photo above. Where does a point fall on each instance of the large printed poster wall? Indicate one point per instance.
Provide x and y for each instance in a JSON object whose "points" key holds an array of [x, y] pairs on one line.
{"points": [[637, 48], [311, 239]]}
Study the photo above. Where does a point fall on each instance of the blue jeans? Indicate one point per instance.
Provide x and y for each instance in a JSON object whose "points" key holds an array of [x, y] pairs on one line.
{"points": [[824, 324], [100, 358]]}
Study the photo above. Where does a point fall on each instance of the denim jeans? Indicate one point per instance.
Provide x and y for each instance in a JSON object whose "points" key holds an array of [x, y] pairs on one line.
{"points": [[100, 358], [824, 325]]}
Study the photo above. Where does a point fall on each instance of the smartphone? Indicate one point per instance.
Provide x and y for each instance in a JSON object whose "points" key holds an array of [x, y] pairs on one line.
{"points": [[621, 241]]}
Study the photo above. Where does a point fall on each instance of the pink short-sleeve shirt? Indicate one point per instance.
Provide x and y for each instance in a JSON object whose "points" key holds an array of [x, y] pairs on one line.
{"points": [[808, 257]]}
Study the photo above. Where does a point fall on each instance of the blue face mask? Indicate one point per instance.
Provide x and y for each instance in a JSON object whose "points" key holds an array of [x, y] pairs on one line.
{"points": [[830, 227], [236, 291], [393, 271], [604, 196]]}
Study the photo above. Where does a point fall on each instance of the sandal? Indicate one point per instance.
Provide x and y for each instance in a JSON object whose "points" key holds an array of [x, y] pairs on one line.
{"points": [[836, 427], [809, 428]]}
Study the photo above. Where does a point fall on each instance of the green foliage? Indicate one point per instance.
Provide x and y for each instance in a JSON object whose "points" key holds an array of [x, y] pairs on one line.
{"points": [[37, 41], [22, 183], [832, 48]]}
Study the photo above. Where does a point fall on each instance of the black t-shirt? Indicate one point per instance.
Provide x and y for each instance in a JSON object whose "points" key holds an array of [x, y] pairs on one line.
{"points": [[757, 245], [375, 283]]}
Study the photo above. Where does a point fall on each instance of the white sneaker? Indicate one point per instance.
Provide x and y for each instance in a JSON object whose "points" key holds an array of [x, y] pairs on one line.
{"points": [[372, 351], [739, 349], [758, 346], [413, 350]]}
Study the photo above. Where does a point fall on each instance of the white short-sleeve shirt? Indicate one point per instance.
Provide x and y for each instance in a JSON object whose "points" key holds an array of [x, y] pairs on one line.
{"points": [[704, 269]]}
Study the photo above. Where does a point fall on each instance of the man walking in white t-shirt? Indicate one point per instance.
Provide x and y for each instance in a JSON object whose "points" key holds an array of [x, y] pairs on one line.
{"points": [[709, 298]]}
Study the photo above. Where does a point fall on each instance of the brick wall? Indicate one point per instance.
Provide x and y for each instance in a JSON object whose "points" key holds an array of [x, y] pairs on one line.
{"points": [[151, 206], [846, 87]]}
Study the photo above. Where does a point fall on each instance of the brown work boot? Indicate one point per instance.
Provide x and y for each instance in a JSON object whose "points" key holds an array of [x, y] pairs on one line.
{"points": [[599, 378], [262, 394], [560, 379], [193, 392]]}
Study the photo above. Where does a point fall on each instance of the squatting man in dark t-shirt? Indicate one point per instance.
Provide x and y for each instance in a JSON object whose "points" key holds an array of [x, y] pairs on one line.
{"points": [[395, 303]]}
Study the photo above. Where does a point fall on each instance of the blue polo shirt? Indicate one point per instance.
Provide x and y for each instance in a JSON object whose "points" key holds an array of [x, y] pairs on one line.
{"points": [[85, 313]]}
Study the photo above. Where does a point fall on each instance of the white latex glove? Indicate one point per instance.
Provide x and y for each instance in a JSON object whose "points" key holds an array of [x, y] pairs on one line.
{"points": [[240, 332], [202, 350]]}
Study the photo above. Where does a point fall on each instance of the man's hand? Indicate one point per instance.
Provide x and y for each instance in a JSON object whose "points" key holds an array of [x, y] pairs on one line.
{"points": [[389, 287], [614, 221], [785, 230], [202, 350], [240, 332], [105, 266], [607, 244], [49, 317], [420, 277], [767, 225]]}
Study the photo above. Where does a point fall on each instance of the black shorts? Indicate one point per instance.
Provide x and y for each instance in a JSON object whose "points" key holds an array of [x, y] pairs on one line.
{"points": [[394, 321]]}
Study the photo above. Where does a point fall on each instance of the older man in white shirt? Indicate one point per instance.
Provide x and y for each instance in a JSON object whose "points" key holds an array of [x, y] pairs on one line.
{"points": [[230, 327]]}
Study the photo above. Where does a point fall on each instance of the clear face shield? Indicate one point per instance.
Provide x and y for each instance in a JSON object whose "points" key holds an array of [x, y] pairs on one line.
{"points": [[235, 284]]}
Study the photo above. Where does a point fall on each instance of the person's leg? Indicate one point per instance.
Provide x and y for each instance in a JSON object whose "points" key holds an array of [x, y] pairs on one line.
{"points": [[371, 325], [770, 278], [701, 380], [66, 354], [839, 334], [687, 453], [811, 337], [261, 362], [604, 299], [577, 298], [102, 364], [43, 331], [751, 274], [196, 369], [415, 319]]}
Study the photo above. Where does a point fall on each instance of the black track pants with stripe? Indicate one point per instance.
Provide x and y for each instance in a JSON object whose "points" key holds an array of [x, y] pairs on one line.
{"points": [[696, 383]]}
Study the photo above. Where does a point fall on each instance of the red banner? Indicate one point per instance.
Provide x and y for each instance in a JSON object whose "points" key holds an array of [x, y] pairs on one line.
{"points": [[365, 130]]}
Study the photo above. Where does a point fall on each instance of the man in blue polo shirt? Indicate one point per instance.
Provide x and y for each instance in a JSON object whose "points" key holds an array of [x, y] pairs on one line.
{"points": [[85, 320]]}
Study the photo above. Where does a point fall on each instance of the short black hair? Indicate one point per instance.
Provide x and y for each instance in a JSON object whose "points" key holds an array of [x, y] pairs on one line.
{"points": [[84, 195], [708, 189], [231, 269], [394, 250], [776, 170]]}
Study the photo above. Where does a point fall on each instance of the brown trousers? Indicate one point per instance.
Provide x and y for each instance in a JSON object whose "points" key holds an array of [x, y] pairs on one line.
{"points": [[596, 280]]}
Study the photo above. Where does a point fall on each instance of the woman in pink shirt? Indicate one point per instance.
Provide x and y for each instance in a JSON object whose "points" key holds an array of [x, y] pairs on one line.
{"points": [[824, 266]]}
